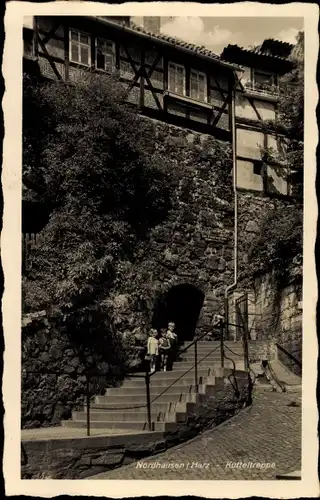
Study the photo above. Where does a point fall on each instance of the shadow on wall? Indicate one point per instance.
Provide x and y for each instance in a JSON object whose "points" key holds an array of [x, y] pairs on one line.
{"points": [[182, 305]]}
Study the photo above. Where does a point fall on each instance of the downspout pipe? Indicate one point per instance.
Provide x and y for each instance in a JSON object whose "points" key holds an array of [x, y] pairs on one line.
{"points": [[233, 285]]}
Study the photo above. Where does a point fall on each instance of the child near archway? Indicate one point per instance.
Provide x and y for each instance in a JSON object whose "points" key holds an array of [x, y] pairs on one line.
{"points": [[173, 338], [153, 349], [164, 348]]}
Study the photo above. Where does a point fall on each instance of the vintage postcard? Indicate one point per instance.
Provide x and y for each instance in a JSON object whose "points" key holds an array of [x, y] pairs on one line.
{"points": [[158, 249]]}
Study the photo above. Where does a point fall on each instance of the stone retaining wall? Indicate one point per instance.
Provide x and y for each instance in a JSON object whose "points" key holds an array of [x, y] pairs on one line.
{"points": [[52, 372], [279, 316], [194, 245]]}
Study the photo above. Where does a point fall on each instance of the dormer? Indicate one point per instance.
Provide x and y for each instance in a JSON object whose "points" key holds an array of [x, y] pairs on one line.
{"points": [[262, 67]]}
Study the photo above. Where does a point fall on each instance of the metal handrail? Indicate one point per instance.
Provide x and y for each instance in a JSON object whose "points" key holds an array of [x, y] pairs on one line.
{"points": [[187, 371], [194, 366], [235, 353], [196, 340], [289, 354], [146, 376]]}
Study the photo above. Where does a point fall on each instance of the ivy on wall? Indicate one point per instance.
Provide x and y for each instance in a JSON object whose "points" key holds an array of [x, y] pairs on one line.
{"points": [[279, 240]]}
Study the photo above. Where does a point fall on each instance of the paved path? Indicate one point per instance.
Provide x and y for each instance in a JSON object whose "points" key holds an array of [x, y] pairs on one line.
{"points": [[269, 432]]}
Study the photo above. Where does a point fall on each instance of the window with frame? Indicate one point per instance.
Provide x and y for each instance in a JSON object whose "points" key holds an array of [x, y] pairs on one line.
{"points": [[198, 86], [177, 79], [80, 47], [263, 79], [105, 55]]}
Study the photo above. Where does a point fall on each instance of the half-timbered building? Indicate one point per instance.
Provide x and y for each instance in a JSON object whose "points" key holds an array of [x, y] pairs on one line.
{"points": [[167, 79], [174, 81], [256, 106], [232, 97]]}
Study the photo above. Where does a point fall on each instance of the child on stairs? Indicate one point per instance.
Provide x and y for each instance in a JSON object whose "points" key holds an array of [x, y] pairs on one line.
{"points": [[173, 339], [164, 347], [153, 349]]}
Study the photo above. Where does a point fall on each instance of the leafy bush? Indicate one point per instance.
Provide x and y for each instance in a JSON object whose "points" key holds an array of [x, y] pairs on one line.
{"points": [[278, 243], [93, 160], [280, 237]]}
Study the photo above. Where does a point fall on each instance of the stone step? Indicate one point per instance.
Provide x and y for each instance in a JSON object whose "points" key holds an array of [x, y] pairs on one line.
{"points": [[212, 357], [165, 382], [209, 352], [142, 426], [155, 390], [212, 344], [170, 376], [186, 365], [174, 374], [137, 399], [132, 416], [185, 407], [140, 391]]}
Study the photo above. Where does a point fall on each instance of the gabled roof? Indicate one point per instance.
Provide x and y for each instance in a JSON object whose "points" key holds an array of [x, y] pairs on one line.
{"points": [[174, 42], [177, 42], [256, 50], [256, 58], [276, 47]]}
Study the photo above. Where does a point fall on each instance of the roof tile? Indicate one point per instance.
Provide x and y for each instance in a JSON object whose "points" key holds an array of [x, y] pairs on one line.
{"points": [[178, 42], [256, 50]]}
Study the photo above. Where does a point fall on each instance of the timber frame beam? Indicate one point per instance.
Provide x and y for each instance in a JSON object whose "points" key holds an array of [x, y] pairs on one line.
{"points": [[142, 68]]}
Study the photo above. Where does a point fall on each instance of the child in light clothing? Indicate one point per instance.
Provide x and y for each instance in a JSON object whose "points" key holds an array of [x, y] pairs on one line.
{"points": [[153, 349]]}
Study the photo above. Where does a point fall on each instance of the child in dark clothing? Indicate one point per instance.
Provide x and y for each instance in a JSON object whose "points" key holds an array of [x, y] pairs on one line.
{"points": [[164, 348]]}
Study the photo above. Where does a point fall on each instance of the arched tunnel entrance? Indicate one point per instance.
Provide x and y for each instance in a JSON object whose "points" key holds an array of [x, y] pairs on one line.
{"points": [[182, 305]]}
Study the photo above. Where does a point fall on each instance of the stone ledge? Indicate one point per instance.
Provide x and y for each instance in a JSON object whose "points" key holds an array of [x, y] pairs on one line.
{"points": [[85, 456], [296, 475]]}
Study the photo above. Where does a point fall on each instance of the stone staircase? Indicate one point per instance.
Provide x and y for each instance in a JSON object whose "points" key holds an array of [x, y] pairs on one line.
{"points": [[173, 393]]}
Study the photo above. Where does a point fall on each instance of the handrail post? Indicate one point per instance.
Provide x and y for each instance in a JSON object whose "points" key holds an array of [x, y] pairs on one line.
{"points": [[196, 364], [88, 405], [246, 334], [221, 345], [148, 398], [245, 338]]}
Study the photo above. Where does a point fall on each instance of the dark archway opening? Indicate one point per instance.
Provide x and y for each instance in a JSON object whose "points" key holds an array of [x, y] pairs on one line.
{"points": [[181, 304]]}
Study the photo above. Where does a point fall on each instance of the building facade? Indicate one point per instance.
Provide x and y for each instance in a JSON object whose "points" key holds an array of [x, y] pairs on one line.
{"points": [[193, 95], [174, 81]]}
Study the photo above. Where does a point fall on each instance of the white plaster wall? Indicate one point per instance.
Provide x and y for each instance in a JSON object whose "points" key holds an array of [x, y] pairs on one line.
{"points": [[249, 143], [265, 109], [244, 108], [246, 179]]}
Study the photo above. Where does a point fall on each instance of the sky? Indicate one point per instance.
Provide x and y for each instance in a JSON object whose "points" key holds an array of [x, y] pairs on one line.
{"points": [[216, 33]]}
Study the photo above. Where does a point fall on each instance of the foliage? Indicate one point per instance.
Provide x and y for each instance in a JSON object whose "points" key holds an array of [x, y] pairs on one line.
{"points": [[94, 161], [279, 241], [290, 119], [112, 180]]}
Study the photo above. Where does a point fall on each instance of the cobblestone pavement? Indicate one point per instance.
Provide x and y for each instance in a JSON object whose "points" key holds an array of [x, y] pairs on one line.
{"points": [[267, 432]]}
